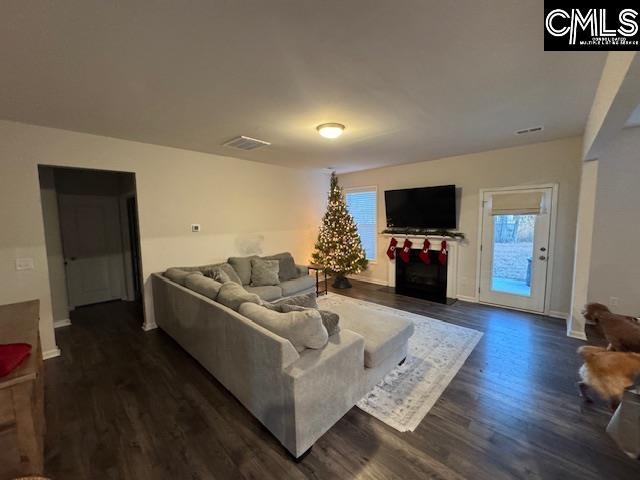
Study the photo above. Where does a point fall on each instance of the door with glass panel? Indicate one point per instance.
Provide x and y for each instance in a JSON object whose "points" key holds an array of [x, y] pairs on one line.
{"points": [[515, 247]]}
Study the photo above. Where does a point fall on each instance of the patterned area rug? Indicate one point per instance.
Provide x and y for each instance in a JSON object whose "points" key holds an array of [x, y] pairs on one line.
{"points": [[437, 350]]}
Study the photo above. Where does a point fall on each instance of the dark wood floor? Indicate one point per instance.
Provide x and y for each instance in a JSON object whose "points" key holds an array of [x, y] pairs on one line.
{"points": [[125, 404]]}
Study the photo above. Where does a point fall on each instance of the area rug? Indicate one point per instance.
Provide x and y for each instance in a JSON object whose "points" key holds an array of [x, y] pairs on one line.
{"points": [[437, 350]]}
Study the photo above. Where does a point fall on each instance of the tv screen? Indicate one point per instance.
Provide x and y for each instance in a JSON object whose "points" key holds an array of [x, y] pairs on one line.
{"points": [[428, 207]]}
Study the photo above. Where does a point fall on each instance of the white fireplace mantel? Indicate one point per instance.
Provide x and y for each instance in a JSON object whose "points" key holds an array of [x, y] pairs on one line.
{"points": [[435, 241]]}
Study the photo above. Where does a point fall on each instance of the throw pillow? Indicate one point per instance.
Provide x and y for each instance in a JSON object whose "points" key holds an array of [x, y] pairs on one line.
{"points": [[330, 320], [233, 295], [264, 272], [179, 275], [288, 269], [306, 300], [302, 329], [203, 285], [12, 355], [242, 266], [227, 269]]}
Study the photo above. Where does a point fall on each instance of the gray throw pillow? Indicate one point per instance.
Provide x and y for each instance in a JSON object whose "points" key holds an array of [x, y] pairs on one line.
{"points": [[306, 300], [178, 275], [242, 266], [302, 329], [219, 276], [264, 272], [288, 269], [232, 295], [203, 285], [227, 269], [330, 320]]}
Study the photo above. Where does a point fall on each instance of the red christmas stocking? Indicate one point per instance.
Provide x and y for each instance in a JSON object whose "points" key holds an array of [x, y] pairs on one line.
{"points": [[442, 256], [406, 250], [391, 251], [424, 253]]}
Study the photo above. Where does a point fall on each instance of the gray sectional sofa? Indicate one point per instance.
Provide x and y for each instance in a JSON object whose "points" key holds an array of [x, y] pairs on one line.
{"points": [[298, 394]]}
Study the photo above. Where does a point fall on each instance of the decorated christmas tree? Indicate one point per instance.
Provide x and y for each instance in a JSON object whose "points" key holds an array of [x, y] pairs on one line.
{"points": [[339, 248]]}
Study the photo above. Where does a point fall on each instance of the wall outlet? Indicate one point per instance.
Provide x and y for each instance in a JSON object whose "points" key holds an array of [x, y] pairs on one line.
{"points": [[614, 301], [24, 264], [195, 227]]}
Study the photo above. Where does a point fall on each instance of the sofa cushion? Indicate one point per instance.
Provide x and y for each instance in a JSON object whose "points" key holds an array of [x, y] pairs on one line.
{"points": [[330, 320], [291, 287], [264, 272], [211, 271], [178, 275], [381, 336], [268, 293], [233, 295], [203, 285], [242, 266], [288, 269], [302, 329]]}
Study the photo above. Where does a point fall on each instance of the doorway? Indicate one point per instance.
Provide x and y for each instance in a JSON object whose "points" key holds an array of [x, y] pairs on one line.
{"points": [[92, 237], [516, 237]]}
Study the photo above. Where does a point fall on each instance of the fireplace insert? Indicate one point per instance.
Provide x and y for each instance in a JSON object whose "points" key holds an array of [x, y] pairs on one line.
{"points": [[421, 280]]}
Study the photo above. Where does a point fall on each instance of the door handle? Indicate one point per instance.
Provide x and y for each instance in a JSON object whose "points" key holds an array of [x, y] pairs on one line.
{"points": [[543, 249]]}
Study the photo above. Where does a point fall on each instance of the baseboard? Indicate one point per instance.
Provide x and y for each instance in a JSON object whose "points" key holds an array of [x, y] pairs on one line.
{"points": [[375, 281], [578, 335], [54, 352], [560, 315], [466, 298], [65, 322], [149, 326]]}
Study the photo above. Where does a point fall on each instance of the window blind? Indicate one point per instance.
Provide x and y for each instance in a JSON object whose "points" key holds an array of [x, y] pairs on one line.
{"points": [[362, 205]]}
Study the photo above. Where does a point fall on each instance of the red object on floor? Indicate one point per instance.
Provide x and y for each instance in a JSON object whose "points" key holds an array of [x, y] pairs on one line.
{"points": [[424, 253], [442, 256], [11, 355], [406, 250], [391, 251]]}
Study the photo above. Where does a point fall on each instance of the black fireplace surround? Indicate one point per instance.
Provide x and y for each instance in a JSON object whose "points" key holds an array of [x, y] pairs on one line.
{"points": [[418, 279]]}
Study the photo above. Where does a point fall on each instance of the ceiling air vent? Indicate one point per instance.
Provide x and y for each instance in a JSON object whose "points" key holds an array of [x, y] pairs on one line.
{"points": [[529, 130], [246, 143]]}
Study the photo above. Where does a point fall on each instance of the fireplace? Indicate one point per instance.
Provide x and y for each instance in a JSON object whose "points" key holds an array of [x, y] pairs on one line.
{"points": [[419, 279]]}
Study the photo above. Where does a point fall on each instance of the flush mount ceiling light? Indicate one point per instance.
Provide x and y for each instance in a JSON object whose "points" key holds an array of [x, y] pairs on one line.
{"points": [[330, 130]]}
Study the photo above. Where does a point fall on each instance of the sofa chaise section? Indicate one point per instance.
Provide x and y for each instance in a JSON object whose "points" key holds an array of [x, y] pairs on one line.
{"points": [[297, 396]]}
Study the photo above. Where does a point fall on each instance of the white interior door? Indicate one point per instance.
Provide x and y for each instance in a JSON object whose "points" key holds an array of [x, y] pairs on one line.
{"points": [[90, 227], [515, 252]]}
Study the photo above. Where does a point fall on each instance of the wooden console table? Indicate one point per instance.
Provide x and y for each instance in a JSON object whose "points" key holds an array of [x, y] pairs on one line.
{"points": [[22, 422]]}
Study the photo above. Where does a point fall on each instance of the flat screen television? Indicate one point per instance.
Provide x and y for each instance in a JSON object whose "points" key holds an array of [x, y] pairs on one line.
{"points": [[428, 207]]}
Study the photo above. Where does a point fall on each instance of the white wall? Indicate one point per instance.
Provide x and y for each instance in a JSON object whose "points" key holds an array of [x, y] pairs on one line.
{"points": [[551, 162], [615, 260], [242, 206]]}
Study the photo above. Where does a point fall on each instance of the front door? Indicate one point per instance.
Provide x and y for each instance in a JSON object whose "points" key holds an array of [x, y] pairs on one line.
{"points": [[515, 249], [92, 245]]}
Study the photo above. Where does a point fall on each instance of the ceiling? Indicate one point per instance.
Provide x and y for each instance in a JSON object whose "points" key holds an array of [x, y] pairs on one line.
{"points": [[411, 79]]}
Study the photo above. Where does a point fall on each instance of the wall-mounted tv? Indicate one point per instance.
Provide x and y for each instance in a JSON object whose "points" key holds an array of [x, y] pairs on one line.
{"points": [[428, 207]]}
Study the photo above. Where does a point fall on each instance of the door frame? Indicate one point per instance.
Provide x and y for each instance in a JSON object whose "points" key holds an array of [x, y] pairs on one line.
{"points": [[552, 241]]}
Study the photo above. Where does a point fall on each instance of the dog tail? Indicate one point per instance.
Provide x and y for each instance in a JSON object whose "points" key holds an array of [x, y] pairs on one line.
{"points": [[588, 352]]}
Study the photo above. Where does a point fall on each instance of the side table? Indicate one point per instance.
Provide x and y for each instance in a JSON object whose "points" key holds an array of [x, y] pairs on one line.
{"points": [[317, 269]]}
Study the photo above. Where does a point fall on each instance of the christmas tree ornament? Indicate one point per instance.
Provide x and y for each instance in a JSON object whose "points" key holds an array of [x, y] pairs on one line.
{"points": [[424, 253], [339, 248], [442, 256], [391, 251], [406, 250]]}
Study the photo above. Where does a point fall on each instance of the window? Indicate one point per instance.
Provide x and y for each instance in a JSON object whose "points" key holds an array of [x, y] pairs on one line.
{"points": [[362, 205]]}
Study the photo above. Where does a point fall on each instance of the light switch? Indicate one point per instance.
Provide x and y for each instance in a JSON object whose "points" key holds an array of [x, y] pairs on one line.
{"points": [[195, 227], [24, 264]]}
